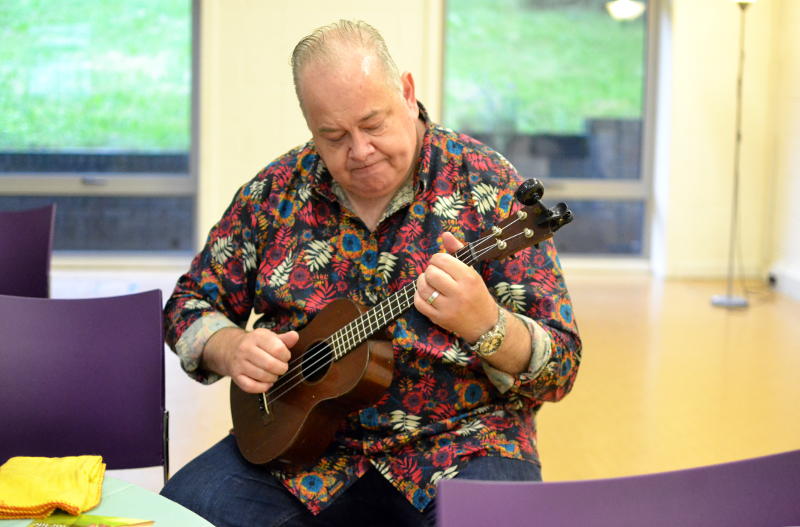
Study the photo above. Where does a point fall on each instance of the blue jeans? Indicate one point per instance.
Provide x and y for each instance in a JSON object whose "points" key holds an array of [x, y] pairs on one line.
{"points": [[224, 488]]}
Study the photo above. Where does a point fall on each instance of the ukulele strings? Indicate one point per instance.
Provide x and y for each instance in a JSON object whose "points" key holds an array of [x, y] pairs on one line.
{"points": [[318, 353], [318, 358]]}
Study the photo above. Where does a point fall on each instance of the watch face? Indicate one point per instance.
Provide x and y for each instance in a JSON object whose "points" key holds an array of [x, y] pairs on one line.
{"points": [[492, 343]]}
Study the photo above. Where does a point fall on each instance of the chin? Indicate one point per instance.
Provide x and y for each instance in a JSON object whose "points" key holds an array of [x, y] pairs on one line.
{"points": [[374, 184]]}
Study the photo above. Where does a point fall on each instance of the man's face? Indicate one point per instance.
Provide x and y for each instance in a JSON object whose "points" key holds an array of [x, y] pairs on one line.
{"points": [[364, 129]]}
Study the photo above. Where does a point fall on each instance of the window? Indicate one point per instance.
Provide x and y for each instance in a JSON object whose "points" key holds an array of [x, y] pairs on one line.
{"points": [[557, 86], [95, 115]]}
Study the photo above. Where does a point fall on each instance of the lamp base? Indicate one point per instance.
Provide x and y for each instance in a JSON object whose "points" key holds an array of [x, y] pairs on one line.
{"points": [[729, 301]]}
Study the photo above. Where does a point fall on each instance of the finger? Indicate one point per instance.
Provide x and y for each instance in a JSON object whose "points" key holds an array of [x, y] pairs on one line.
{"points": [[423, 306], [451, 265], [461, 273], [440, 279], [424, 290], [260, 374], [268, 347], [451, 243], [249, 385], [289, 340], [267, 362]]}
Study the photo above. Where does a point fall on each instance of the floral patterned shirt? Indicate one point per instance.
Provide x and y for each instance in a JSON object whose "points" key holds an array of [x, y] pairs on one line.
{"points": [[287, 246]]}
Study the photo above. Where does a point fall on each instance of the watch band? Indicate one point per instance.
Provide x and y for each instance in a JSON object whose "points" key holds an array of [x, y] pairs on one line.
{"points": [[491, 341]]}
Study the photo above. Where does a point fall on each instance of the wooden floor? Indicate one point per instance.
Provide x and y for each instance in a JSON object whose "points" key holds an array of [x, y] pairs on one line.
{"points": [[668, 381]]}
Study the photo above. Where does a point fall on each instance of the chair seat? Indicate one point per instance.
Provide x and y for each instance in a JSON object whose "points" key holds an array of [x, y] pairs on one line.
{"points": [[752, 492]]}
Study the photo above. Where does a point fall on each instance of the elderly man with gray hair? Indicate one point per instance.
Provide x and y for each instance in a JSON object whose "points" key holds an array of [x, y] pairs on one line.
{"points": [[373, 209]]}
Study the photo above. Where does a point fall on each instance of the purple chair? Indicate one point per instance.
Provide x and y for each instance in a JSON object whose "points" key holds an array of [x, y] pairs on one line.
{"points": [[84, 376], [26, 243], [753, 492]]}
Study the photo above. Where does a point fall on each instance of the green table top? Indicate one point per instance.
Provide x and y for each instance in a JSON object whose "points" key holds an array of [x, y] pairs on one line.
{"points": [[124, 499]]}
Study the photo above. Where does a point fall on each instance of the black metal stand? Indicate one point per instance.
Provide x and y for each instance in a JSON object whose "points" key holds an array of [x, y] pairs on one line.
{"points": [[729, 300]]}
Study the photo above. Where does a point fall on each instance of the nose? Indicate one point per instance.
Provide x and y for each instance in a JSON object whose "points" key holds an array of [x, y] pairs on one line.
{"points": [[360, 146]]}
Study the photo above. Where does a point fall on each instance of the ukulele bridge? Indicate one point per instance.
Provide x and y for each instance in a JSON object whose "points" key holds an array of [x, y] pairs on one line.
{"points": [[263, 405]]}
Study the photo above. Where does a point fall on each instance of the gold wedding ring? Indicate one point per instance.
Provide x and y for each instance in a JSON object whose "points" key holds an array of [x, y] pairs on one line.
{"points": [[433, 297]]}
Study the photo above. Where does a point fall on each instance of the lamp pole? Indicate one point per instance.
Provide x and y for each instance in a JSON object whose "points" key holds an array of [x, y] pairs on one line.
{"points": [[729, 300]]}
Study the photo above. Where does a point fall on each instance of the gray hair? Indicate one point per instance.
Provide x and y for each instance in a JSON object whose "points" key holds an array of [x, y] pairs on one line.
{"points": [[324, 45]]}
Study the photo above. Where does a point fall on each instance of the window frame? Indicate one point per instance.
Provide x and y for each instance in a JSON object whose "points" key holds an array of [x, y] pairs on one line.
{"points": [[580, 189], [123, 184]]}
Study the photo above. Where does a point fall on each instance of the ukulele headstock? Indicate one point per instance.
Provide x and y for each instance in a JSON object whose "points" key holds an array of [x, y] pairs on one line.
{"points": [[530, 225]]}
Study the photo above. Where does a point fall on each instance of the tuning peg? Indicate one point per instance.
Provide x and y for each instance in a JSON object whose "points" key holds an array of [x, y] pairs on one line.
{"points": [[529, 192], [561, 215]]}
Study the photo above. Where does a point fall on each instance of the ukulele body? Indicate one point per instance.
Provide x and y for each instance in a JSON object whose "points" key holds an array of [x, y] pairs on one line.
{"points": [[296, 428]]}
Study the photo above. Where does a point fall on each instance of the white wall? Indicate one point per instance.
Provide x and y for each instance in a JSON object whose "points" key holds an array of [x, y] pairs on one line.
{"points": [[248, 114], [704, 50], [705, 54], [786, 137]]}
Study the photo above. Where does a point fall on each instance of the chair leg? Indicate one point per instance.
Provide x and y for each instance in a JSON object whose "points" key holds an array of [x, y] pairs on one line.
{"points": [[165, 434]]}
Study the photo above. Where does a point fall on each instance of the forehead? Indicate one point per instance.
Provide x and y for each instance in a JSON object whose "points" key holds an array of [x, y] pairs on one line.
{"points": [[344, 93]]}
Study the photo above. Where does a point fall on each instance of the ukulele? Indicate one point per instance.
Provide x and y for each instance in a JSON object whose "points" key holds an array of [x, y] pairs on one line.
{"points": [[339, 365]]}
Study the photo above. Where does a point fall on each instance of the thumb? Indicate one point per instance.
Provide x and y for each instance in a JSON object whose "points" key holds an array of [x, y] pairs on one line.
{"points": [[289, 338], [451, 243]]}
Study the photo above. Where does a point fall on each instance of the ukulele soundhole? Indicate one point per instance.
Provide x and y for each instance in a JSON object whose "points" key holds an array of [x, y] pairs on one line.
{"points": [[317, 361]]}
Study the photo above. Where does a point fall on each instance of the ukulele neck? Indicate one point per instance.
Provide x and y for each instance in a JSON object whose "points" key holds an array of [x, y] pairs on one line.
{"points": [[387, 310]]}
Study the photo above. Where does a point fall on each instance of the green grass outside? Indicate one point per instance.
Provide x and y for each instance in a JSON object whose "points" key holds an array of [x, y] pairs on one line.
{"points": [[115, 75], [511, 68], [95, 74]]}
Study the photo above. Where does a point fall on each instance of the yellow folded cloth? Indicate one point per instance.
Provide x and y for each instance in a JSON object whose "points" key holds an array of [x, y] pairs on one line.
{"points": [[33, 487]]}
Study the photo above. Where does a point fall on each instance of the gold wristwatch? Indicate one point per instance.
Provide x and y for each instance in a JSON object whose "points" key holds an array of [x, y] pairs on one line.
{"points": [[488, 343]]}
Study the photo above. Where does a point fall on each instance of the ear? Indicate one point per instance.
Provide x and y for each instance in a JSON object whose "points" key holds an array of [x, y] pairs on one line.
{"points": [[409, 93]]}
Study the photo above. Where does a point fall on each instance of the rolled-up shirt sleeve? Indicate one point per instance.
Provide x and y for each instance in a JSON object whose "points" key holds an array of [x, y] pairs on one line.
{"points": [[216, 291], [540, 355], [190, 345], [532, 287]]}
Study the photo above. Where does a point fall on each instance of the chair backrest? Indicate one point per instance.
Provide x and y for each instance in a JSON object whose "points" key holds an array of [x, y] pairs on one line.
{"points": [[83, 376], [26, 244], [759, 491]]}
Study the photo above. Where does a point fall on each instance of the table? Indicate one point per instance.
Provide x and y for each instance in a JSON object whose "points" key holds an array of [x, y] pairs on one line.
{"points": [[121, 498]]}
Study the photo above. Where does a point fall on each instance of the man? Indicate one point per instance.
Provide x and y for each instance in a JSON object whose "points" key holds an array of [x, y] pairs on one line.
{"points": [[378, 199]]}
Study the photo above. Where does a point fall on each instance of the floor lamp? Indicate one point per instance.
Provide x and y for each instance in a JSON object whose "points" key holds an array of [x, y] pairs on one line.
{"points": [[729, 300]]}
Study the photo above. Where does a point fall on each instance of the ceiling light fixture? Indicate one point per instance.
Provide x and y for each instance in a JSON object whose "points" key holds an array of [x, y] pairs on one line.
{"points": [[625, 9]]}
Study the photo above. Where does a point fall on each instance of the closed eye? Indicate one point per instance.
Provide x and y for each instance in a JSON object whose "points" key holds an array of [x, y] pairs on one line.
{"points": [[375, 128], [334, 138]]}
